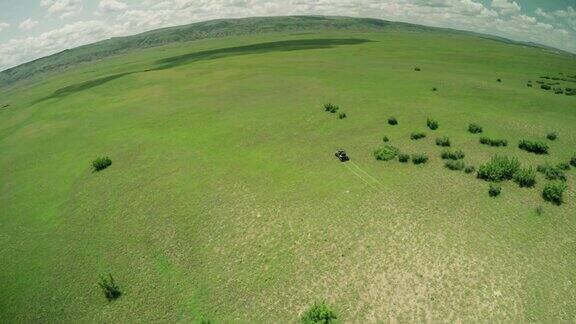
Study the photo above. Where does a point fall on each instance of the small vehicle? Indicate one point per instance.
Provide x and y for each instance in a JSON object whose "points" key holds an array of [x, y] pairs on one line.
{"points": [[342, 156]]}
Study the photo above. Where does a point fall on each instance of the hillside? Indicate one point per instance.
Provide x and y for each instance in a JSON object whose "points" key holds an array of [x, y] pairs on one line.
{"points": [[223, 199], [209, 29]]}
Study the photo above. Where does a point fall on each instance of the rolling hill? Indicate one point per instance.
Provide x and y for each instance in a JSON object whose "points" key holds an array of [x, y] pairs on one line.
{"points": [[224, 200]]}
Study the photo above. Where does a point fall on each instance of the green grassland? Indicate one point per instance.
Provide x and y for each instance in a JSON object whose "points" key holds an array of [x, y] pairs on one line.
{"points": [[225, 199]]}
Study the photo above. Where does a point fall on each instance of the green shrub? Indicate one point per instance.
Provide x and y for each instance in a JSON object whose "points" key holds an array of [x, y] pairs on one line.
{"points": [[553, 191], [552, 136], [403, 158], [469, 169], [443, 141], [573, 160], [539, 210], [474, 128], [417, 135], [432, 124], [331, 108], [525, 178], [452, 155], [416, 69], [342, 115], [533, 146], [455, 165], [110, 288], [434, 89], [319, 313], [392, 121], [385, 139], [494, 190], [545, 87], [499, 168], [552, 172], [563, 166], [101, 163], [386, 153], [499, 80], [419, 158], [493, 142]]}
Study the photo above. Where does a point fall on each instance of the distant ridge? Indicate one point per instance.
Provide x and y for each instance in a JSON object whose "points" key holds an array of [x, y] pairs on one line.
{"points": [[213, 29]]}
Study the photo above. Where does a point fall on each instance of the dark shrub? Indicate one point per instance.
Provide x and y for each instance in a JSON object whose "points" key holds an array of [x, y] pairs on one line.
{"points": [[452, 155], [434, 89], [110, 288], [342, 115], [385, 139], [573, 160], [553, 191], [419, 158], [386, 153], [552, 173], [499, 80], [416, 69], [474, 128], [494, 190], [331, 108], [469, 169], [432, 124], [417, 135], [456, 165], [499, 168], [533, 146], [529, 85], [392, 121], [525, 178], [552, 136], [101, 163], [403, 158], [319, 313], [443, 141], [545, 87], [563, 166], [493, 142]]}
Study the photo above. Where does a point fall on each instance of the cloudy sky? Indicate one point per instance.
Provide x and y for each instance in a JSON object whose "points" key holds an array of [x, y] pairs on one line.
{"points": [[30, 29]]}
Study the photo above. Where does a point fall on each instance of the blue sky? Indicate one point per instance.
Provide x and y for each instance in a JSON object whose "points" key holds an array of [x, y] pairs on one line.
{"points": [[30, 29]]}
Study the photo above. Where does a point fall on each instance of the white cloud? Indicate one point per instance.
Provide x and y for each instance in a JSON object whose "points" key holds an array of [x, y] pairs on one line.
{"points": [[506, 7], [62, 8], [3, 25], [543, 13], [501, 17], [112, 5], [28, 24]]}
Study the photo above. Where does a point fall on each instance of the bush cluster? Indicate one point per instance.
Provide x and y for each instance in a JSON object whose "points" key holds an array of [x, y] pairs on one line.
{"points": [[319, 313], [493, 142], [494, 190], [331, 108], [455, 165], [420, 158], [563, 166], [533, 146], [432, 124], [452, 155], [474, 128], [392, 121], [342, 115], [552, 172], [552, 136], [403, 158], [573, 160], [386, 153], [469, 169], [385, 139], [525, 178], [443, 141], [499, 168], [554, 191], [417, 135], [101, 163]]}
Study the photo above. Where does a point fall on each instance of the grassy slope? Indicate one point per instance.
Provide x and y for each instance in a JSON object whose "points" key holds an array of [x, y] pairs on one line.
{"points": [[225, 199]]}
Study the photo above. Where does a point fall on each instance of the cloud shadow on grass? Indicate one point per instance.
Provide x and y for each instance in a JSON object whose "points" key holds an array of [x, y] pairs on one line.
{"points": [[175, 61]]}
